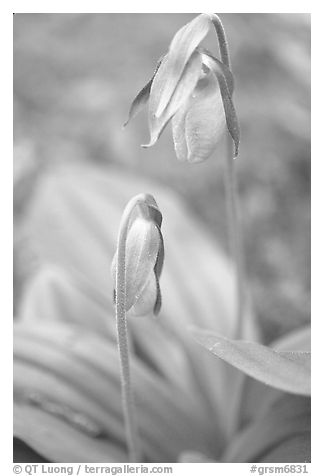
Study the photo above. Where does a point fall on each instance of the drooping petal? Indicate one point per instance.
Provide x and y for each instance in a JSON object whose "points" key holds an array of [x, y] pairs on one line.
{"points": [[213, 63], [181, 48], [230, 113], [182, 90], [205, 123]]}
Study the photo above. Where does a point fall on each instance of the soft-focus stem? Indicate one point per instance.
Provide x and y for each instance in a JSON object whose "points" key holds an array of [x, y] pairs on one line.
{"points": [[232, 205], [131, 428], [235, 236]]}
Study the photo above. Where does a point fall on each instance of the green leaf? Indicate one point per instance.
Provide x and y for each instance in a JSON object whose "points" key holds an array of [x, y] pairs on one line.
{"points": [[59, 441], [288, 371], [75, 373], [255, 396], [280, 435], [23, 453], [194, 457]]}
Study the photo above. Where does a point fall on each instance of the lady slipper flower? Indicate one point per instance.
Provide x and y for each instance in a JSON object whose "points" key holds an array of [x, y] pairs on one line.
{"points": [[194, 90]]}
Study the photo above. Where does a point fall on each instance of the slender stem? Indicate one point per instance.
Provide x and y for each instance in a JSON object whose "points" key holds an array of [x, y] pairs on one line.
{"points": [[236, 237], [131, 428], [232, 205]]}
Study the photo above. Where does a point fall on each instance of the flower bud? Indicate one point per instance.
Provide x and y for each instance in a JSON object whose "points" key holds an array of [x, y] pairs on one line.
{"points": [[144, 255]]}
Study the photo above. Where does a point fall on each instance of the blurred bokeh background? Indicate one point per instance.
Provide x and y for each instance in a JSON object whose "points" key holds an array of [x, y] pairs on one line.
{"points": [[75, 76]]}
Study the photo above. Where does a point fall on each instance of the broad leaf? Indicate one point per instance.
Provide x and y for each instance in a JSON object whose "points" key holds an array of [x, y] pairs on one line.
{"points": [[23, 453], [65, 373], [255, 397], [280, 435], [288, 371]]}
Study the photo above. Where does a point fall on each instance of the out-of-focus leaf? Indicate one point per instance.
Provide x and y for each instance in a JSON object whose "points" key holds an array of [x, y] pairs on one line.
{"points": [[78, 372], [299, 339], [288, 371], [23, 453], [255, 397], [55, 296], [194, 457], [59, 441], [281, 434]]}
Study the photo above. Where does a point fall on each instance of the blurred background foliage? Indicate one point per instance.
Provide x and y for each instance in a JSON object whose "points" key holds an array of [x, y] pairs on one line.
{"points": [[75, 76]]}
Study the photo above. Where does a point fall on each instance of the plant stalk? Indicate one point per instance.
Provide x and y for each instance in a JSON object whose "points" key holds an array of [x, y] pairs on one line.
{"points": [[231, 198], [131, 428], [235, 237]]}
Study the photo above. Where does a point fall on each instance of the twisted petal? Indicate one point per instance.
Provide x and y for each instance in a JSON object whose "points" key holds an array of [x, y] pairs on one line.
{"points": [[182, 90], [142, 97], [181, 48]]}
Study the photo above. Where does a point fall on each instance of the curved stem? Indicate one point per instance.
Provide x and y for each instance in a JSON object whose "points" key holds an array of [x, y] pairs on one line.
{"points": [[222, 41], [131, 428], [236, 237]]}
